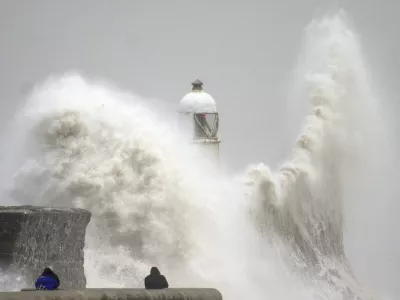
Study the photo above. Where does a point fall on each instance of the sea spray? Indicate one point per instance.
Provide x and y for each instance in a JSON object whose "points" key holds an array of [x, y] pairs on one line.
{"points": [[302, 204], [155, 201]]}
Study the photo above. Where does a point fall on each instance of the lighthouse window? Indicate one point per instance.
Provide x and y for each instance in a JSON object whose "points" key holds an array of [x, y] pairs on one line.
{"points": [[206, 125]]}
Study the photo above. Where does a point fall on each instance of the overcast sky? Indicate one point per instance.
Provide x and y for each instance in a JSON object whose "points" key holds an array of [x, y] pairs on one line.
{"points": [[243, 51]]}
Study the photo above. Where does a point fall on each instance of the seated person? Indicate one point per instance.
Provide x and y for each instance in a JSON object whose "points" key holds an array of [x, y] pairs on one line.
{"points": [[155, 280], [47, 281]]}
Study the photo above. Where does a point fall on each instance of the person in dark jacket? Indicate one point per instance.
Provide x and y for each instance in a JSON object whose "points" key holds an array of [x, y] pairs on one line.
{"points": [[155, 281], [47, 281]]}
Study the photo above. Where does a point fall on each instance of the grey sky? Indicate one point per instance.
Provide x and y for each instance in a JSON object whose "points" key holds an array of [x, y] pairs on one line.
{"points": [[243, 51]]}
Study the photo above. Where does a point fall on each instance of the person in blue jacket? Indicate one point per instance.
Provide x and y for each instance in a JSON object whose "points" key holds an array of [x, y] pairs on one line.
{"points": [[47, 281]]}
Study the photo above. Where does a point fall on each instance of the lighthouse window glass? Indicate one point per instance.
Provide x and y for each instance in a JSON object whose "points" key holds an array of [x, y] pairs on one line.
{"points": [[206, 125]]}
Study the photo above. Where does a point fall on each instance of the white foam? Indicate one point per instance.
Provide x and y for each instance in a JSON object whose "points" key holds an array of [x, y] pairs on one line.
{"points": [[157, 202]]}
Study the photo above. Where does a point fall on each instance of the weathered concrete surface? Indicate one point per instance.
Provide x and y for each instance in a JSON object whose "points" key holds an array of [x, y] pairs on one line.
{"points": [[32, 238], [114, 294]]}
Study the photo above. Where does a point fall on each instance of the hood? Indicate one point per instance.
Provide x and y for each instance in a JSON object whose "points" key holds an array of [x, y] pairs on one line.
{"points": [[155, 271]]}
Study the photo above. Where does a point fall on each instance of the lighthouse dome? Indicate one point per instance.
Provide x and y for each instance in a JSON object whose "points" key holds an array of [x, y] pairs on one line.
{"points": [[197, 101]]}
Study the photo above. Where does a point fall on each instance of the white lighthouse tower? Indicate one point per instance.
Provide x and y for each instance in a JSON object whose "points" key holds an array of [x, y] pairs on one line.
{"points": [[198, 113]]}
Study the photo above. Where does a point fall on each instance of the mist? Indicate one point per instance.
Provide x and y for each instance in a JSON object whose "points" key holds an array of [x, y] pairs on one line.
{"points": [[246, 54]]}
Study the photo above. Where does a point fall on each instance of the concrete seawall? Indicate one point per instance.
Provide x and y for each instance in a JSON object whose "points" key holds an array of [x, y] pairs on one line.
{"points": [[32, 238], [115, 294]]}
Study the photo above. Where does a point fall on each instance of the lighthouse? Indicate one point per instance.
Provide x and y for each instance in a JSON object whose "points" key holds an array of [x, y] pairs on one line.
{"points": [[198, 113]]}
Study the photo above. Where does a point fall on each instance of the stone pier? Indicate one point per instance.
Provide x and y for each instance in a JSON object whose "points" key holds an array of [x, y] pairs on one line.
{"points": [[120, 294], [32, 238]]}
